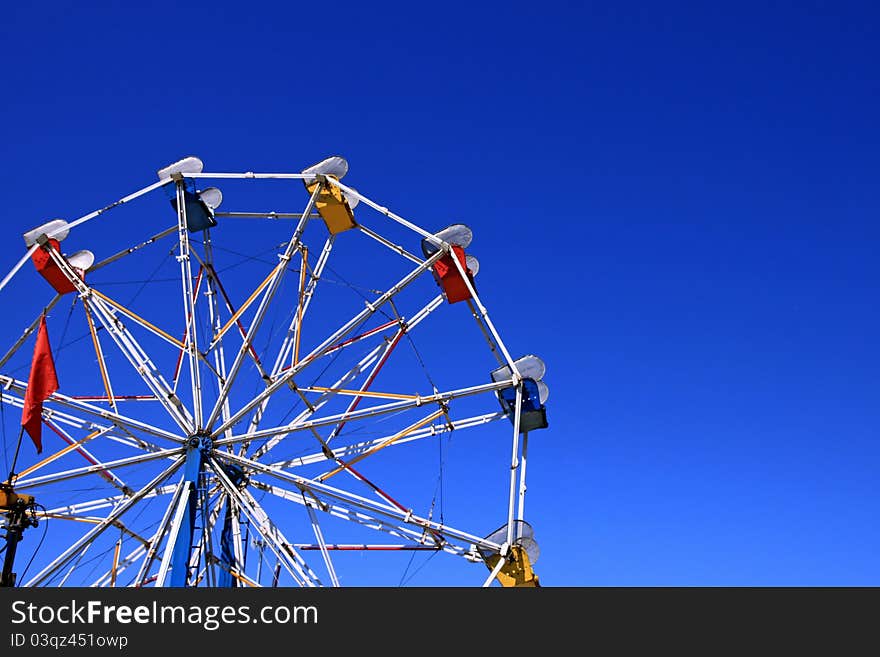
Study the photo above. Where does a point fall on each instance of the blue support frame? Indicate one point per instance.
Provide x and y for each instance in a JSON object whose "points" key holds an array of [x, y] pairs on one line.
{"points": [[195, 452], [227, 553], [227, 558]]}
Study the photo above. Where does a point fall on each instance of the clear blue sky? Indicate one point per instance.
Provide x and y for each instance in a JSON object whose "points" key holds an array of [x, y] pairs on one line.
{"points": [[674, 204]]}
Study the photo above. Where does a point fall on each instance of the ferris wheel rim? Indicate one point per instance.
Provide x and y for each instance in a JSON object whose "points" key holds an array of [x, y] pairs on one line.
{"points": [[198, 421]]}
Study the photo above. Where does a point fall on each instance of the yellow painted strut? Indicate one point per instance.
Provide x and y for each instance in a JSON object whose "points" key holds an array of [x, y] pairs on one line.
{"points": [[393, 439], [105, 377], [139, 319], [301, 302], [247, 303], [115, 563], [243, 579], [360, 393], [96, 521], [57, 455]]}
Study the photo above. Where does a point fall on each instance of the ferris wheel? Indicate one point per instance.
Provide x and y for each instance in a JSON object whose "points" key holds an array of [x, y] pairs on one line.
{"points": [[306, 390]]}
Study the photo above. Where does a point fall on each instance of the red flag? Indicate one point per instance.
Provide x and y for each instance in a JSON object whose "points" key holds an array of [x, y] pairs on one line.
{"points": [[42, 382]]}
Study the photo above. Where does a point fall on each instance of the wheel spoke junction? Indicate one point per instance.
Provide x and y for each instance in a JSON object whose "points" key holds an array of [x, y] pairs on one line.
{"points": [[264, 396]]}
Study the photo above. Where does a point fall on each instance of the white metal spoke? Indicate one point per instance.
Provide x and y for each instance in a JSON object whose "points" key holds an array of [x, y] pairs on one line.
{"points": [[189, 309], [265, 215], [295, 324], [206, 544], [142, 364], [347, 328], [514, 463], [126, 343], [157, 538], [372, 411], [379, 355], [213, 285], [75, 564], [486, 335], [71, 403], [248, 175], [268, 530], [105, 502], [130, 440], [353, 373], [485, 316], [206, 550], [266, 524], [60, 417], [71, 446], [92, 520], [322, 489], [99, 352], [385, 211], [391, 245], [18, 265], [80, 472], [292, 337], [319, 536], [130, 250], [268, 295], [30, 329], [387, 442], [383, 358], [176, 522], [520, 513], [122, 566], [80, 447], [360, 517], [494, 573], [77, 222], [70, 552], [444, 248], [219, 331], [353, 450]]}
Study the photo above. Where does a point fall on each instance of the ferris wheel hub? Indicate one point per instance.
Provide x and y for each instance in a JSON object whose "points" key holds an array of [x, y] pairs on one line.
{"points": [[201, 441]]}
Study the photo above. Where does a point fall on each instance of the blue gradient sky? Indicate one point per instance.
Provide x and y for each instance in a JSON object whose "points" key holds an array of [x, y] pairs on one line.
{"points": [[675, 205]]}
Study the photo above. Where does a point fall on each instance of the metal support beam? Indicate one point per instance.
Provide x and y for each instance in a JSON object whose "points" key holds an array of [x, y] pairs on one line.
{"points": [[182, 544], [284, 379], [268, 295], [85, 541]]}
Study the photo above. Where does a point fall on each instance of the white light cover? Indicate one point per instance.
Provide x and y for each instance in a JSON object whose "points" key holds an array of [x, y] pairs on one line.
{"points": [[81, 260], [457, 234], [56, 226], [352, 200], [521, 527], [189, 164], [530, 545], [335, 166], [530, 367], [212, 197], [472, 264], [523, 535], [543, 392]]}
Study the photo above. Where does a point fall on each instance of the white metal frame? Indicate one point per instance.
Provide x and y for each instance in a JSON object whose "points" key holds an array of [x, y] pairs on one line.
{"points": [[220, 420]]}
